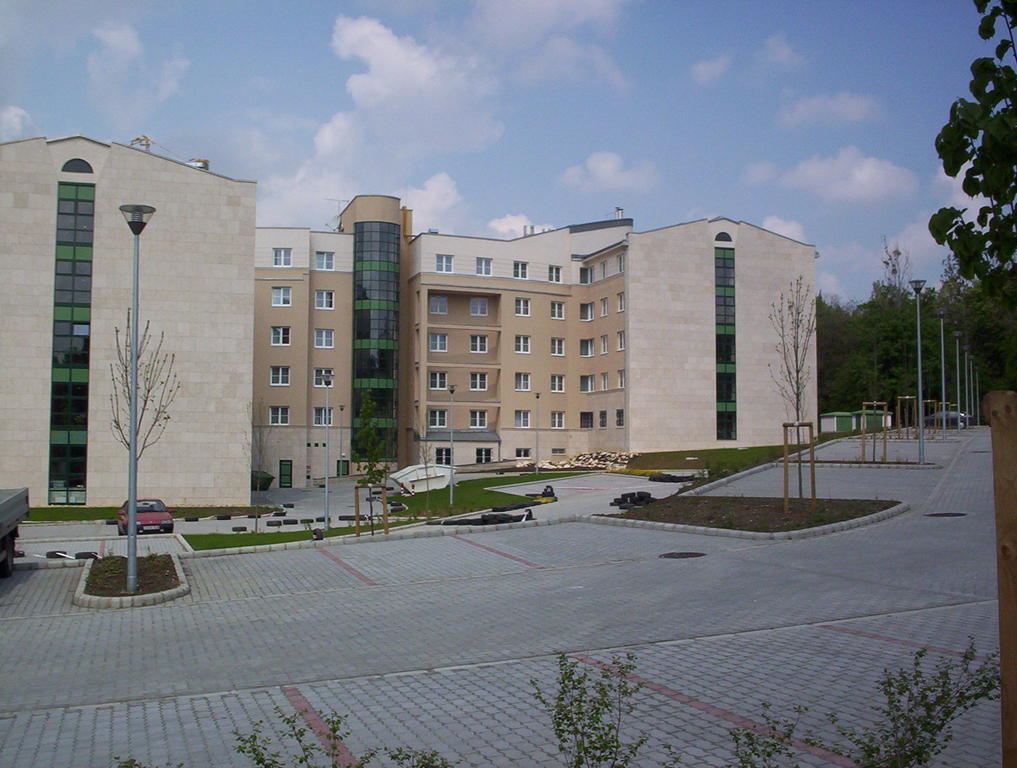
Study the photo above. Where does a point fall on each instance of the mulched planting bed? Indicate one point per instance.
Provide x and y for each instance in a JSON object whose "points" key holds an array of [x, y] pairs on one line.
{"points": [[749, 513], [109, 576]]}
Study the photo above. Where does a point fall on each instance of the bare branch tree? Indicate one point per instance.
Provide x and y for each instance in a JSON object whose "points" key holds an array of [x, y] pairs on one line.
{"points": [[157, 388], [260, 433], [896, 268]]}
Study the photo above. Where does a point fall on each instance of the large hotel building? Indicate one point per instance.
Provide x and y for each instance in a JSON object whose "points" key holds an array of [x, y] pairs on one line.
{"points": [[590, 337]]}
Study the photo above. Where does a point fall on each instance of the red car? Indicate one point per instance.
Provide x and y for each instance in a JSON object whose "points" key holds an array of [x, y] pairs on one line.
{"points": [[152, 517]]}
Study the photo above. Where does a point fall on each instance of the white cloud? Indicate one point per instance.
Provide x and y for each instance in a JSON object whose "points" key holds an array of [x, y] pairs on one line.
{"points": [[792, 229], [762, 172], [851, 176], [826, 109], [514, 225], [710, 70], [121, 82], [606, 170], [562, 57], [15, 123], [778, 53], [523, 23], [829, 284], [434, 205]]}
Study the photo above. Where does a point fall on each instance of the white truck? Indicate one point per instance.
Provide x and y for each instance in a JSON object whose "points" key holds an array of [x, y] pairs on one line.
{"points": [[13, 509]]}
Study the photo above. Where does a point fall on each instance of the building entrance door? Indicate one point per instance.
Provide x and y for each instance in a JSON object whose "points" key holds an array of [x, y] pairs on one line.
{"points": [[342, 467], [285, 473]]}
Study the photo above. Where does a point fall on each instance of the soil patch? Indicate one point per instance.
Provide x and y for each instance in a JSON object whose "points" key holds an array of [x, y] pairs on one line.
{"points": [[108, 577], [750, 513]]}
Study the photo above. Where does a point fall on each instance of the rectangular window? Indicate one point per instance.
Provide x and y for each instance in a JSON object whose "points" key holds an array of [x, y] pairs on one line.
{"points": [[725, 348], [282, 296], [478, 381], [478, 307], [619, 417], [604, 383], [442, 262], [324, 260], [522, 382], [279, 376], [523, 344], [437, 380], [483, 266], [322, 417], [724, 266], [522, 453], [557, 310], [324, 299], [554, 274], [557, 419], [282, 257], [603, 418], [725, 310], [324, 338], [621, 379], [280, 335], [279, 415], [437, 417], [557, 451], [725, 387], [438, 305], [522, 307], [621, 262], [621, 301], [522, 419], [727, 426], [586, 383], [558, 347], [603, 307], [443, 456], [478, 342], [437, 342], [603, 269], [520, 270], [478, 419], [557, 382], [483, 455], [585, 275], [603, 344], [586, 347], [586, 311], [323, 377], [586, 419], [621, 340]]}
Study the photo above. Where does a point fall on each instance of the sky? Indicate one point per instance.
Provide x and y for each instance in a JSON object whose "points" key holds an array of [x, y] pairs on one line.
{"points": [[815, 119]]}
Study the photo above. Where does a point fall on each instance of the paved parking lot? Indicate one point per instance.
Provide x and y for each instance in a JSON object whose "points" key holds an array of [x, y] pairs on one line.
{"points": [[433, 642]]}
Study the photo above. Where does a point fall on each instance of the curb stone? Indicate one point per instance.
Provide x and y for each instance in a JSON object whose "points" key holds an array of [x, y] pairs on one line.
{"points": [[130, 601]]}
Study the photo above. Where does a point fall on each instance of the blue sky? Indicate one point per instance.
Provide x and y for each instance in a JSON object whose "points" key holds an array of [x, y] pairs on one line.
{"points": [[815, 119]]}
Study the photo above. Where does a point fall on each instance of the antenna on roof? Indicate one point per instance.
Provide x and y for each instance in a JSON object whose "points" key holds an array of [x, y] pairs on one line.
{"points": [[142, 141], [333, 223], [619, 213]]}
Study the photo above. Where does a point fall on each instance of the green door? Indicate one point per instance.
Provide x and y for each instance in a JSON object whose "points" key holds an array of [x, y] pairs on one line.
{"points": [[285, 473], [342, 467]]}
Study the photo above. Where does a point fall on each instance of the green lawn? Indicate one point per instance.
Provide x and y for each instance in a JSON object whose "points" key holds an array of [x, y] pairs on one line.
{"points": [[75, 514], [471, 495], [200, 541]]}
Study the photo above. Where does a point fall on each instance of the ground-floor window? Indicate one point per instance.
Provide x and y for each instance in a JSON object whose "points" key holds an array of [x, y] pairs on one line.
{"points": [[483, 455], [443, 456], [522, 453]]}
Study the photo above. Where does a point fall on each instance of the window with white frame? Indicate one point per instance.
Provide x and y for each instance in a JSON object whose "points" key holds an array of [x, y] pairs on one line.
{"points": [[282, 296], [483, 266], [323, 377], [483, 455], [442, 262], [522, 382], [603, 307], [621, 340], [522, 420], [554, 274], [324, 260], [282, 257], [278, 415], [621, 301], [437, 342], [478, 342], [603, 344], [604, 382], [478, 419], [586, 347], [443, 456], [478, 381], [557, 382], [324, 299], [280, 335], [586, 383], [520, 269], [557, 310], [603, 269], [522, 453], [437, 380], [324, 338], [621, 378], [437, 417], [522, 307], [557, 346], [621, 262], [523, 344], [438, 305], [478, 306], [323, 417], [586, 311], [585, 275], [557, 419], [279, 376]]}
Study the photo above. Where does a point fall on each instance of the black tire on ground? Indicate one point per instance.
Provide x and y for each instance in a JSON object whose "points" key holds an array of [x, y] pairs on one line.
{"points": [[7, 566], [169, 530], [238, 528], [320, 519], [288, 506], [55, 554], [306, 520], [121, 531], [86, 555], [290, 521], [223, 517], [191, 519]]}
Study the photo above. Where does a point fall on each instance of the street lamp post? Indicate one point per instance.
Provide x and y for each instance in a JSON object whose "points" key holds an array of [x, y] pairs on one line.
{"points": [[451, 447], [957, 379], [978, 403], [327, 421], [967, 383], [341, 408], [917, 286], [942, 368], [536, 457], [137, 217]]}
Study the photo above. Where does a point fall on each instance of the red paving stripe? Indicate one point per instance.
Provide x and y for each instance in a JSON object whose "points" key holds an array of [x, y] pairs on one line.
{"points": [[343, 564], [336, 749], [496, 551], [718, 712], [899, 641], [102, 548]]}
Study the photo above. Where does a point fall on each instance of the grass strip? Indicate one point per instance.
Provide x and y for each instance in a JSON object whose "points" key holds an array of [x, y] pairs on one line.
{"points": [[88, 514], [473, 495], [202, 541]]}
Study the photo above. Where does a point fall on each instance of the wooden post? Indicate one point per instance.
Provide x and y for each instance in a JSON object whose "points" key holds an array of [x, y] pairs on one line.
{"points": [[864, 438], [384, 507], [356, 509], [1001, 410], [812, 462], [783, 438]]}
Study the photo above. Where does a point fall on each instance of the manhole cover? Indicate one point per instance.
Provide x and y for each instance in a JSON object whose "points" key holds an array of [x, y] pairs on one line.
{"points": [[682, 555], [946, 514]]}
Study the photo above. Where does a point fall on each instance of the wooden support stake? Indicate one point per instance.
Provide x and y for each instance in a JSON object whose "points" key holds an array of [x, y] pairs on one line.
{"points": [[356, 509], [384, 507], [1001, 410]]}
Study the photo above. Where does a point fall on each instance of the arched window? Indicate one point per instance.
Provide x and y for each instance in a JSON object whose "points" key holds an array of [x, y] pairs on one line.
{"points": [[723, 237], [76, 165]]}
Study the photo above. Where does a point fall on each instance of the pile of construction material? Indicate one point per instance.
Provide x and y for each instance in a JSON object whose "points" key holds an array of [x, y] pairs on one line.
{"points": [[596, 460]]}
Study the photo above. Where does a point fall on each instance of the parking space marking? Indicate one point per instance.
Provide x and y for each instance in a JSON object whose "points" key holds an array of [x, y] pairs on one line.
{"points": [[527, 563], [336, 749], [899, 641], [349, 568]]}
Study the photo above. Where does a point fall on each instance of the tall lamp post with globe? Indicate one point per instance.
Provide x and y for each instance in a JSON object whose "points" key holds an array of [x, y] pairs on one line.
{"points": [[916, 286]]}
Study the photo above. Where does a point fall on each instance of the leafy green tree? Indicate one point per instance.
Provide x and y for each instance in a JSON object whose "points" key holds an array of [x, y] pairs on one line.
{"points": [[980, 140], [368, 443]]}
